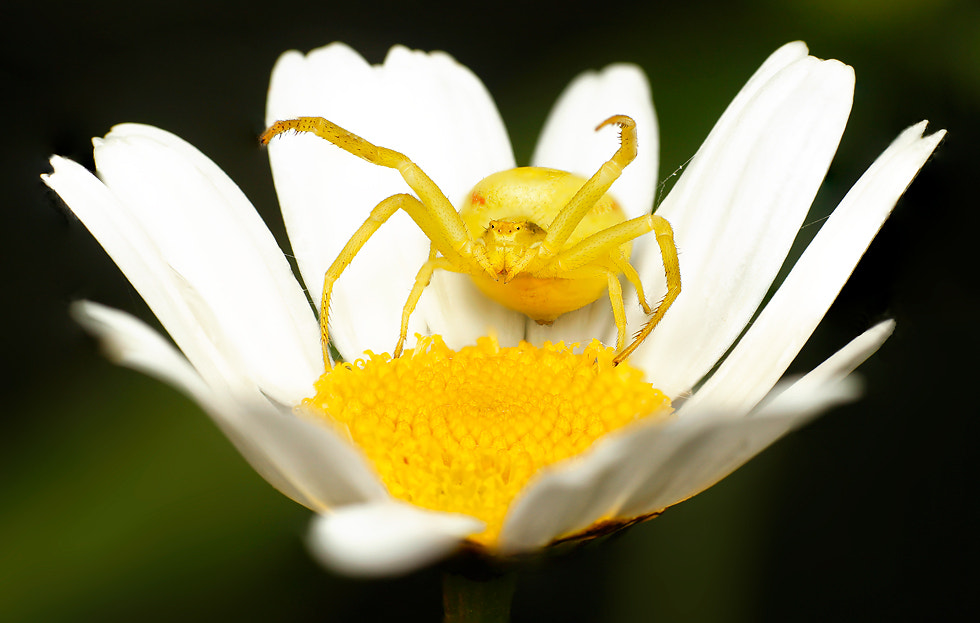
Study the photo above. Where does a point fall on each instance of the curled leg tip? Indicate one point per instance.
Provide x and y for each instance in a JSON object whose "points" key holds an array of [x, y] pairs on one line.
{"points": [[621, 120], [269, 133]]}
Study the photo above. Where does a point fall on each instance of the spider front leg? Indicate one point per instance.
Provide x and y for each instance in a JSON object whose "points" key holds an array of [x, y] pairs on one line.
{"points": [[438, 219], [574, 211], [584, 200], [596, 250], [381, 213], [434, 214]]}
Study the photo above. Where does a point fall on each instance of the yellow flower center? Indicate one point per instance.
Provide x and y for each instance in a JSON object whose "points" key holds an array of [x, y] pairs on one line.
{"points": [[463, 431]]}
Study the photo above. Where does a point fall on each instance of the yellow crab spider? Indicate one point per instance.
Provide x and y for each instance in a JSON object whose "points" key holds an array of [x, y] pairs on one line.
{"points": [[497, 237]]}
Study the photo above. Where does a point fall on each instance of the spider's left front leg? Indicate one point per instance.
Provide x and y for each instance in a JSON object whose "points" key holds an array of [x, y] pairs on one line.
{"points": [[600, 249], [432, 212]]}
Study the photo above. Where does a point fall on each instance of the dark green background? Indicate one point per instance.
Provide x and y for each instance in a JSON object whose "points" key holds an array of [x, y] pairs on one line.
{"points": [[120, 501]]}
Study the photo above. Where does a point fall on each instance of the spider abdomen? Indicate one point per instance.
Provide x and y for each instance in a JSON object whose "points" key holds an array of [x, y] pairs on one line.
{"points": [[542, 299]]}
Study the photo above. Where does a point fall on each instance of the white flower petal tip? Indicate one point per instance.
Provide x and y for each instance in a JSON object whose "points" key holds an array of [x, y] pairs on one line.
{"points": [[302, 459], [569, 141], [129, 342], [386, 539], [198, 253], [832, 371]]}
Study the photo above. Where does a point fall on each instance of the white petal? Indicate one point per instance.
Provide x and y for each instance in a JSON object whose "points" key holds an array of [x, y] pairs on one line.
{"points": [[136, 254], [737, 209], [213, 239], [569, 141], [386, 538], [180, 229], [455, 309], [305, 461], [329, 471], [722, 441], [784, 326], [568, 497], [718, 445], [129, 342], [834, 370], [653, 466], [426, 106], [581, 326], [648, 468]]}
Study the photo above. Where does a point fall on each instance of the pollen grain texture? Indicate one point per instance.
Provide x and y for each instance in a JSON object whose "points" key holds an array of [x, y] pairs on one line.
{"points": [[463, 431]]}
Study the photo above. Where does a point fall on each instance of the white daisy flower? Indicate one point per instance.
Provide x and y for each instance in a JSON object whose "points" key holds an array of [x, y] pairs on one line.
{"points": [[247, 342]]}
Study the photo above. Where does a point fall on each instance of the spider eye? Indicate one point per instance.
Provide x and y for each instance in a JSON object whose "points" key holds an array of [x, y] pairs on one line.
{"points": [[518, 228]]}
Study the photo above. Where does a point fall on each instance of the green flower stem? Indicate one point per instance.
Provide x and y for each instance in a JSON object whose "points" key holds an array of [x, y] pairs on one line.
{"points": [[484, 599]]}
